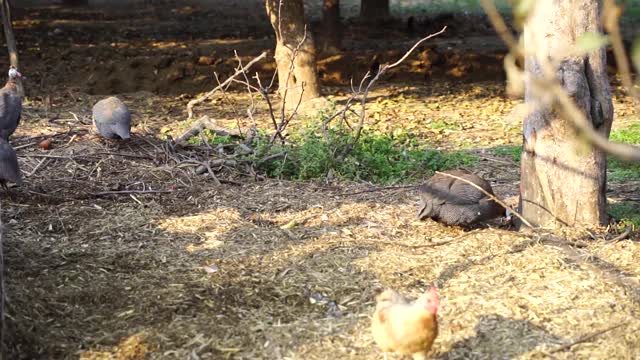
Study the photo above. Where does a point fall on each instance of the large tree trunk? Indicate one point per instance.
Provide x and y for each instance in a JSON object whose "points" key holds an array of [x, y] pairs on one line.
{"points": [[563, 182], [331, 25], [288, 22], [374, 9]]}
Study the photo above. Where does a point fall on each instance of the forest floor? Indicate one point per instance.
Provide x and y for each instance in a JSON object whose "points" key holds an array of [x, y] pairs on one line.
{"points": [[115, 251]]}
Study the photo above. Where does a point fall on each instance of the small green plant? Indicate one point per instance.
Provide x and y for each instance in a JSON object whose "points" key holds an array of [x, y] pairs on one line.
{"points": [[626, 211], [512, 151]]}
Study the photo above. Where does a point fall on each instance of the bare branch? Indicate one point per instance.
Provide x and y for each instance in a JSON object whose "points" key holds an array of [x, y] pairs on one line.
{"points": [[414, 47], [611, 15], [204, 97], [363, 100]]}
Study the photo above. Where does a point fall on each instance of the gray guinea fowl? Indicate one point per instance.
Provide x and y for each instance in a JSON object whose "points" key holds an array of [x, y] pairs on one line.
{"points": [[9, 169], [10, 105], [112, 119], [454, 202]]}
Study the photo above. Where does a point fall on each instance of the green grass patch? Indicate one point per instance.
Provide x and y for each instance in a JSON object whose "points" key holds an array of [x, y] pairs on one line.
{"points": [[626, 211], [514, 152], [378, 158], [630, 135], [620, 170]]}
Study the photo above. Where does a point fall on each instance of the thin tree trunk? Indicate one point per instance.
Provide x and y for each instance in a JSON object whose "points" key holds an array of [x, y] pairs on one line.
{"points": [[331, 25], [374, 9], [563, 182], [11, 41], [301, 80]]}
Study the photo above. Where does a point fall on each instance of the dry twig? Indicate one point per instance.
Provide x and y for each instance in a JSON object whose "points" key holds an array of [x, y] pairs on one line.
{"points": [[586, 338], [204, 97]]}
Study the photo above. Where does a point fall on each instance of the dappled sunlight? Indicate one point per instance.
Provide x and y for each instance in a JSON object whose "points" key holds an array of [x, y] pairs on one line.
{"points": [[208, 226]]}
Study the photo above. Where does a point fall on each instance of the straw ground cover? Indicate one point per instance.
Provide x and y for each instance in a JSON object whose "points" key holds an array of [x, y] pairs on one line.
{"points": [[114, 252]]}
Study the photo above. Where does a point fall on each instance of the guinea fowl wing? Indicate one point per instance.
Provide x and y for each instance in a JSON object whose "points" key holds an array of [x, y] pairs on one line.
{"points": [[10, 111], [9, 168]]}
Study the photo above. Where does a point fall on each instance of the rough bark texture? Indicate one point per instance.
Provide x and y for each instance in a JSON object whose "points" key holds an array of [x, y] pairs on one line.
{"points": [[331, 25], [374, 9], [563, 182], [288, 23]]}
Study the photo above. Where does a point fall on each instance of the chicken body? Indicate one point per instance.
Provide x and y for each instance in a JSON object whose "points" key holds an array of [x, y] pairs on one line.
{"points": [[404, 327]]}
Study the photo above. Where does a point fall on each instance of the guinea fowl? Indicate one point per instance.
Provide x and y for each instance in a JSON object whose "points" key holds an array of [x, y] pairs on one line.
{"points": [[112, 119], [10, 105], [9, 169], [455, 202]]}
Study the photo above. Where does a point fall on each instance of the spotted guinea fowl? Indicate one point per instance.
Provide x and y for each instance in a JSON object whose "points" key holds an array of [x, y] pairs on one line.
{"points": [[10, 105], [455, 202], [9, 169], [112, 119]]}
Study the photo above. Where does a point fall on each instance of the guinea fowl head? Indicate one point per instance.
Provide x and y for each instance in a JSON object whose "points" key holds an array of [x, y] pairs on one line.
{"points": [[14, 73]]}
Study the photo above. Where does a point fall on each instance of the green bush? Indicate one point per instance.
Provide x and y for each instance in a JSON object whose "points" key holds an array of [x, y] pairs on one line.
{"points": [[626, 211]]}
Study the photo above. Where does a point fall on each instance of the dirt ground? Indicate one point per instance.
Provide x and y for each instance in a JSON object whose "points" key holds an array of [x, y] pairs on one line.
{"points": [[269, 269]]}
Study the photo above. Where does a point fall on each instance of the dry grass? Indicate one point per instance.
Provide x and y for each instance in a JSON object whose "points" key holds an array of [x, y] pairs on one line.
{"points": [[277, 269]]}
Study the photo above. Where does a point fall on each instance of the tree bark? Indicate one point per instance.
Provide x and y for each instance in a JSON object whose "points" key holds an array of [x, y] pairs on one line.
{"points": [[563, 181], [300, 81], [374, 9], [331, 25]]}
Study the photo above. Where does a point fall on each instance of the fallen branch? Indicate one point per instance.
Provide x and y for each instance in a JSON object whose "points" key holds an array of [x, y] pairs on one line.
{"points": [[393, 187], [127, 192], [625, 234], [204, 97], [206, 165], [586, 338], [206, 123]]}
